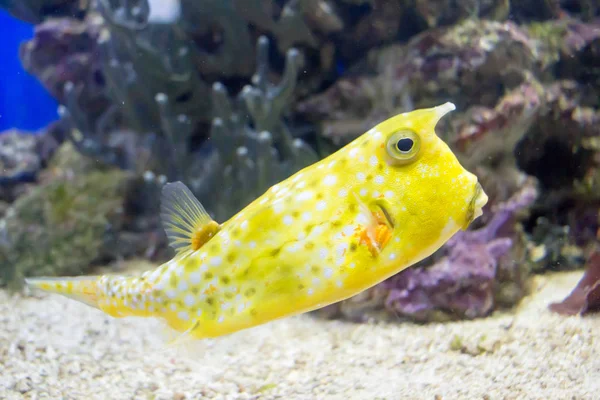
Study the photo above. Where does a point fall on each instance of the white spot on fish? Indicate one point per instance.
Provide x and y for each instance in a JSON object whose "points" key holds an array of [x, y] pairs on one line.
{"points": [[294, 247], [310, 291], [221, 319], [323, 252], [393, 256], [216, 261], [189, 300], [241, 307], [450, 226], [171, 294], [183, 315], [182, 286], [199, 312], [328, 272], [361, 177], [225, 306], [282, 192], [363, 192], [348, 230], [297, 177], [379, 179], [331, 164], [173, 307], [352, 153], [252, 244], [278, 207], [341, 249], [339, 283], [373, 161], [388, 194], [343, 193], [244, 225], [321, 205], [362, 219], [306, 216], [330, 180], [306, 195], [288, 220]]}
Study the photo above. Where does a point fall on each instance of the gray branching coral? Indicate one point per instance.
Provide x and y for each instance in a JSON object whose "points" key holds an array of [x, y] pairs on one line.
{"points": [[138, 60], [253, 147]]}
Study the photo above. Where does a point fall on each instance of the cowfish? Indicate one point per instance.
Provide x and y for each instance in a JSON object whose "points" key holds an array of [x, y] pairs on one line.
{"points": [[385, 201]]}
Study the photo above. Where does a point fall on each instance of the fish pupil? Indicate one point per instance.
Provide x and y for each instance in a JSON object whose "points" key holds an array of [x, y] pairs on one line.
{"points": [[404, 145]]}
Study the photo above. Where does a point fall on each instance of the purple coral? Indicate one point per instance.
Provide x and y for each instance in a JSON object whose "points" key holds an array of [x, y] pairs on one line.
{"points": [[585, 297], [462, 282]]}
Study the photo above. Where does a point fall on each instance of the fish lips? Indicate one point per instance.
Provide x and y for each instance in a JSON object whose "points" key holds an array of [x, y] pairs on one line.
{"points": [[475, 209]]}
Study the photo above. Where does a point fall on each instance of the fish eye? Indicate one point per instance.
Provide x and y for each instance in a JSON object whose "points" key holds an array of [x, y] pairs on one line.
{"points": [[403, 146]]}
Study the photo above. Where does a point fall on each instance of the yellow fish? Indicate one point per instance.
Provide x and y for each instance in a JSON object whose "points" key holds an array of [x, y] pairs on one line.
{"points": [[382, 203]]}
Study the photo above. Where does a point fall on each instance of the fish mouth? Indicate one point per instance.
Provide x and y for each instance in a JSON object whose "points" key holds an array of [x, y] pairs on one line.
{"points": [[478, 201]]}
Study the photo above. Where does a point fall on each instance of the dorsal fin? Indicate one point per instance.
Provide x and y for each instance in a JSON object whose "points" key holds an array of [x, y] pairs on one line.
{"points": [[186, 222]]}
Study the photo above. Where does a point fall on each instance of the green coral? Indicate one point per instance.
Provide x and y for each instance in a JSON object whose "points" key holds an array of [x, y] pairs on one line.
{"points": [[60, 227], [550, 38]]}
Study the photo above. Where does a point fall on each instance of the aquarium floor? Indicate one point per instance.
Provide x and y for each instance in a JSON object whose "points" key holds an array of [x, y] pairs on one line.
{"points": [[54, 348]]}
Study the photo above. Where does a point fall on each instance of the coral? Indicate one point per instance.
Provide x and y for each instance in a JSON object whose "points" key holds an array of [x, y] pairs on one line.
{"points": [[567, 46], [19, 161], [141, 59], [473, 63], [527, 10], [22, 156], [65, 50], [562, 131], [60, 227], [436, 12], [585, 297], [553, 247], [248, 159], [486, 135]]}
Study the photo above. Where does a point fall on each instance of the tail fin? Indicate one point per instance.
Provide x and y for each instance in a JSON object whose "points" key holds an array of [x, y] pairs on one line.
{"points": [[83, 289]]}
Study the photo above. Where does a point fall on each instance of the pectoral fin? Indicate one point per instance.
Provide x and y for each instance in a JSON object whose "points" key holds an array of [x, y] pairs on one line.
{"points": [[187, 224], [377, 231]]}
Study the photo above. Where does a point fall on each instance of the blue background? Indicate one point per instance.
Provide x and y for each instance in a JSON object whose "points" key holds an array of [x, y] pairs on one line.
{"points": [[24, 103]]}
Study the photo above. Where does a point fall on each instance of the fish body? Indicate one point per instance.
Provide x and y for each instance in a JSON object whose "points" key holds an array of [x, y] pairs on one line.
{"points": [[385, 201]]}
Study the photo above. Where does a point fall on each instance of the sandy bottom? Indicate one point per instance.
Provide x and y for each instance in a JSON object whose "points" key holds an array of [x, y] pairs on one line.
{"points": [[51, 347]]}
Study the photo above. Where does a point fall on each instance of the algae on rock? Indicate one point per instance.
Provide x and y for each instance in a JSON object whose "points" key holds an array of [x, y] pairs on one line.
{"points": [[60, 227]]}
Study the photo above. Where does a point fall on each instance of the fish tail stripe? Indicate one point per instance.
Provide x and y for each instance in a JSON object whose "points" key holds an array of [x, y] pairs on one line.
{"points": [[82, 289]]}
